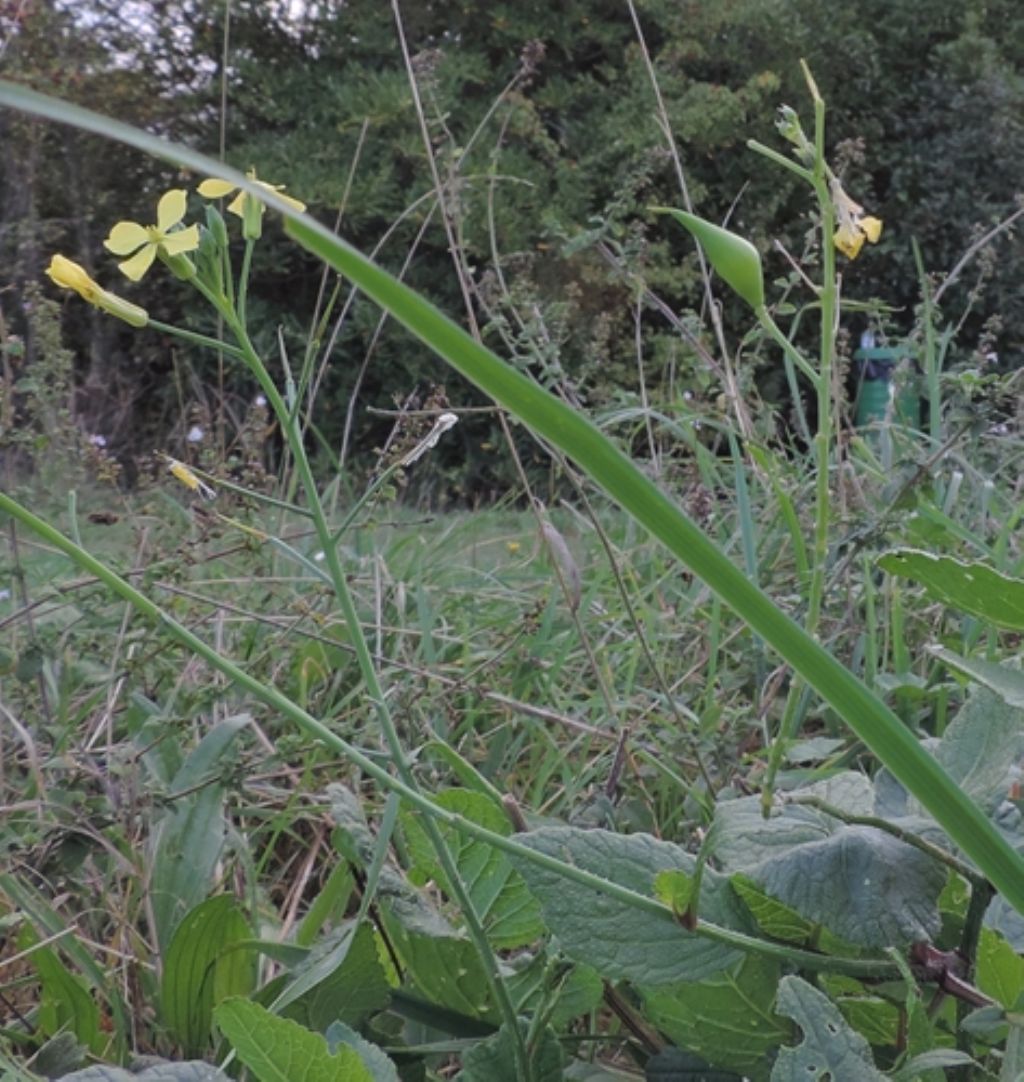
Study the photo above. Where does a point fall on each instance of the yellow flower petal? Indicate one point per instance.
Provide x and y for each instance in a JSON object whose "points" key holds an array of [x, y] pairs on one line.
{"points": [[171, 208], [872, 228], [139, 263], [278, 190], [125, 238], [296, 203], [181, 240], [70, 275], [849, 240], [214, 188], [237, 205]]}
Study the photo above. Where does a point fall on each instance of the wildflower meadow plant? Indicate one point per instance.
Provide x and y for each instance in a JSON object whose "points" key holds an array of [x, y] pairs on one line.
{"points": [[633, 908]]}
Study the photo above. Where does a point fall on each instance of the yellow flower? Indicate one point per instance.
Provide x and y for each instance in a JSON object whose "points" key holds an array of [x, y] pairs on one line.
{"points": [[245, 205], [69, 275], [146, 241], [872, 228], [189, 479], [854, 226]]}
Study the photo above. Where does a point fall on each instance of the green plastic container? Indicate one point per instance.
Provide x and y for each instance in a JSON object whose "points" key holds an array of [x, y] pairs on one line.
{"points": [[875, 390]]}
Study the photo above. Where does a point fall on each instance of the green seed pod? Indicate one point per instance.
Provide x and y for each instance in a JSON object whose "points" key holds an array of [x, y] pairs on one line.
{"points": [[215, 224], [735, 260]]}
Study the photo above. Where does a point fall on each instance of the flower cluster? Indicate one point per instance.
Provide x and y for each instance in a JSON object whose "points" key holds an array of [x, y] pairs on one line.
{"points": [[168, 239]]}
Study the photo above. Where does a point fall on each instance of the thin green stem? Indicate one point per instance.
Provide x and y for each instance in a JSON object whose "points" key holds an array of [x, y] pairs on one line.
{"points": [[828, 298], [781, 159], [243, 280], [196, 339], [787, 346]]}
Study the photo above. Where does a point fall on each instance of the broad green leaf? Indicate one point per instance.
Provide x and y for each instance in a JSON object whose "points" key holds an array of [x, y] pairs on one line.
{"points": [[509, 913], [875, 1018], [773, 918], [934, 1060], [966, 585], [736, 261], [982, 747], [185, 1071], [1004, 919], [56, 1057], [867, 887], [493, 1060], [830, 1050], [201, 968], [65, 1002], [999, 969], [1006, 682], [379, 1064], [341, 980], [188, 840], [279, 1050], [47, 921], [540, 986], [444, 967], [727, 1020], [619, 941]]}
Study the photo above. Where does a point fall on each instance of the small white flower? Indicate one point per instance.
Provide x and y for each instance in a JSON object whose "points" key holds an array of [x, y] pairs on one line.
{"points": [[261, 400], [195, 434], [98, 441], [318, 557]]}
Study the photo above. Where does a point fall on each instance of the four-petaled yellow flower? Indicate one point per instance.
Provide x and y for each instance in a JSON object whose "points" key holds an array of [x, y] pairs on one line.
{"points": [[70, 275], [855, 226], [215, 188], [146, 241]]}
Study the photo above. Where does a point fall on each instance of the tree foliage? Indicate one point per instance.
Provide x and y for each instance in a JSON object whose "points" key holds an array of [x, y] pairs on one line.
{"points": [[543, 125]]}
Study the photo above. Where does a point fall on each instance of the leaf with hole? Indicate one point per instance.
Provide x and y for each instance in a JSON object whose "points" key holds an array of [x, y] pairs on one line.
{"points": [[830, 1050], [965, 585]]}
